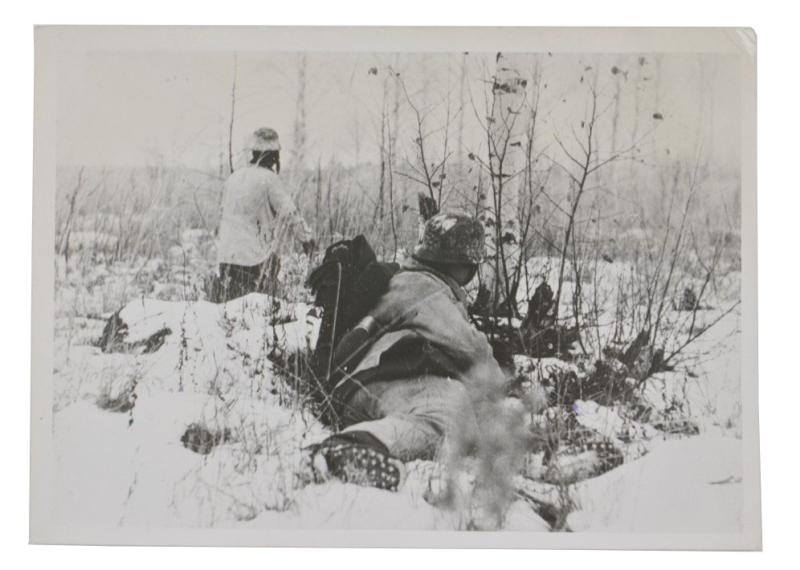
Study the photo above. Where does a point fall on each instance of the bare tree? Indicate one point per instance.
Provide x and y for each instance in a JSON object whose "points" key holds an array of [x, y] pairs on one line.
{"points": [[388, 135], [581, 162], [299, 149], [505, 133], [462, 89], [620, 75], [427, 168], [232, 114], [63, 248]]}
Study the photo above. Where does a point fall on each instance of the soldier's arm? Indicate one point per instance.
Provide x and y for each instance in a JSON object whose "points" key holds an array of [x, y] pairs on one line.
{"points": [[286, 212], [354, 345], [427, 306]]}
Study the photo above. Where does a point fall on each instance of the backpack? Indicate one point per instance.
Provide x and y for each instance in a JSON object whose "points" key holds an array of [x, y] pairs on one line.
{"points": [[346, 286]]}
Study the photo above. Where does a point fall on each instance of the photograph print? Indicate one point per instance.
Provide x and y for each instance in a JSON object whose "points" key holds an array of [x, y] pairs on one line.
{"points": [[398, 287]]}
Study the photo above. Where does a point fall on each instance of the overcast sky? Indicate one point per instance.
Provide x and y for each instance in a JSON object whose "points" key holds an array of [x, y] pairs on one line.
{"points": [[134, 108]]}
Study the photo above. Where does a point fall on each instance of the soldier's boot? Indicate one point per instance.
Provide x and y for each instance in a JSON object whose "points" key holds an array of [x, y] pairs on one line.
{"points": [[356, 457]]}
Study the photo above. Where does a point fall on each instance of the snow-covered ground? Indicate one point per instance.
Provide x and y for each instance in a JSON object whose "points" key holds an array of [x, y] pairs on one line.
{"points": [[687, 485], [119, 417]]}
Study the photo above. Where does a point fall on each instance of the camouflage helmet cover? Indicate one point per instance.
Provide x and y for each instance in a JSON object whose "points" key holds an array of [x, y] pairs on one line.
{"points": [[451, 239], [263, 140]]}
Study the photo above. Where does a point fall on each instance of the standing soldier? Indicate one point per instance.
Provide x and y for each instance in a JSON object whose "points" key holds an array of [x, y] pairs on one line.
{"points": [[258, 215]]}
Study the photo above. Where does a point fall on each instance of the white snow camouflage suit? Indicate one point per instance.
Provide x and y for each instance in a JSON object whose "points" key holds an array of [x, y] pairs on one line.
{"points": [[417, 375], [258, 215]]}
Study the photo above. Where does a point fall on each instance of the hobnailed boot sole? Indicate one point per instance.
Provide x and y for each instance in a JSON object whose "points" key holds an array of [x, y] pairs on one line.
{"points": [[357, 464]]}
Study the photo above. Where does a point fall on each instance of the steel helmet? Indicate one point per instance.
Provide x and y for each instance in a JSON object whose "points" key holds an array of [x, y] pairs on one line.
{"points": [[263, 140], [452, 239]]}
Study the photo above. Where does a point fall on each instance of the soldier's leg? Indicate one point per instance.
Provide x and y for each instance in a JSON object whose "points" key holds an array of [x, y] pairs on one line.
{"points": [[268, 280], [238, 280], [410, 417], [391, 422]]}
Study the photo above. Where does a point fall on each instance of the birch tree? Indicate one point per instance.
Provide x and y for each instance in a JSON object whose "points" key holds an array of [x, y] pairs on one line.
{"points": [[506, 131], [232, 113], [299, 150]]}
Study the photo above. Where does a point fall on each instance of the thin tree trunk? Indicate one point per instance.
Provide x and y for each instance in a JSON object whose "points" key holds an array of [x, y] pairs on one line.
{"points": [[318, 197], [300, 116], [506, 139], [233, 114], [615, 129], [462, 88]]}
